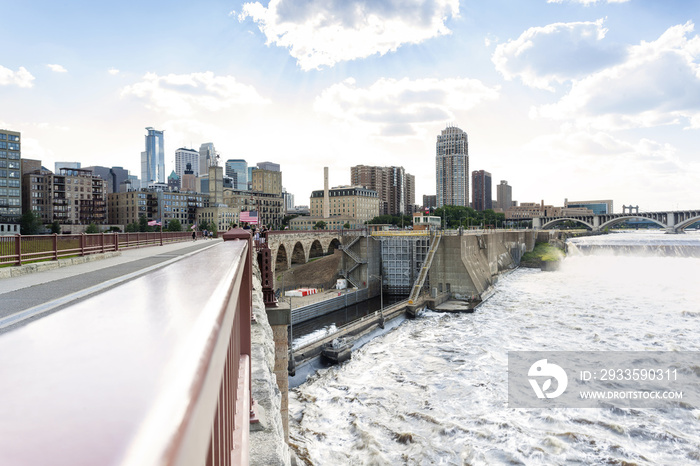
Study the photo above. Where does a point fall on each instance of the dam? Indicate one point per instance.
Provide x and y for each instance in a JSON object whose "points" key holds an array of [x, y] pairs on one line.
{"points": [[425, 268]]}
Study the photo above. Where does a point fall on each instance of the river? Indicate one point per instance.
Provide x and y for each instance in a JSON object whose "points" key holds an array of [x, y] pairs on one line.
{"points": [[435, 390]]}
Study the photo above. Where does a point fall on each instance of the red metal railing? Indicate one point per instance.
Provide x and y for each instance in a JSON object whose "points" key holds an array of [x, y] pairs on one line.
{"points": [[19, 249], [156, 370]]}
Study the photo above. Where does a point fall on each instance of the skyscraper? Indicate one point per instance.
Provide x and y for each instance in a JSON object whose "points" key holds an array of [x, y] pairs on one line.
{"points": [[395, 187], [153, 159], [452, 167], [207, 157], [183, 156], [10, 176], [481, 190], [504, 195], [237, 169]]}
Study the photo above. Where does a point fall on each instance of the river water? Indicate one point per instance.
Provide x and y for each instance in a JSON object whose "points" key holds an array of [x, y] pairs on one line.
{"points": [[435, 390]]}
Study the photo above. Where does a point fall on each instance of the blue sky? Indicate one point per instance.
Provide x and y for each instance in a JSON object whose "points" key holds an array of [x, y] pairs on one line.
{"points": [[577, 99]]}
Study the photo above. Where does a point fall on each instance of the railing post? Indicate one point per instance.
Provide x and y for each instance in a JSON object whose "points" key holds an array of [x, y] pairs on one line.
{"points": [[246, 303], [55, 246], [18, 249], [116, 240], [82, 244], [102, 238]]}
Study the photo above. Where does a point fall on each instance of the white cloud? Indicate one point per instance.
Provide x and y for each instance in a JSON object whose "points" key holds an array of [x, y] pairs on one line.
{"points": [[113, 71], [588, 2], [556, 53], [323, 33], [400, 107], [21, 77], [658, 84], [57, 68], [183, 94]]}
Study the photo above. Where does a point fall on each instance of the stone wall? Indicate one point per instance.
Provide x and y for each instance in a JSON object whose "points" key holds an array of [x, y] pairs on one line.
{"points": [[268, 445]]}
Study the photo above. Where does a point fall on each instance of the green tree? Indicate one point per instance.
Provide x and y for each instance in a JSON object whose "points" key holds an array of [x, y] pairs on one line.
{"points": [[320, 225], [174, 225], [143, 224], [132, 227], [203, 225], [287, 218], [56, 227], [30, 224], [347, 225], [92, 228]]}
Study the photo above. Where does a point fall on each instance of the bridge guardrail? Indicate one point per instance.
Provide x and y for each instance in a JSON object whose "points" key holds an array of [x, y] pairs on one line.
{"points": [[19, 249], [154, 371]]}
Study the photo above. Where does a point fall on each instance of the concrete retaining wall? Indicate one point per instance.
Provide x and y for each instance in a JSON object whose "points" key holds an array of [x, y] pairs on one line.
{"points": [[321, 308], [467, 265]]}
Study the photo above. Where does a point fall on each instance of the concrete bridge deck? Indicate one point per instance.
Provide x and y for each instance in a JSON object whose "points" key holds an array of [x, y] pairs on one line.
{"points": [[27, 297]]}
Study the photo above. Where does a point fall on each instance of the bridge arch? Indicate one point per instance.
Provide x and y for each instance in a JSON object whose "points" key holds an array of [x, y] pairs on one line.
{"points": [[316, 250], [298, 254], [686, 223], [281, 258], [617, 220], [333, 245], [564, 219]]}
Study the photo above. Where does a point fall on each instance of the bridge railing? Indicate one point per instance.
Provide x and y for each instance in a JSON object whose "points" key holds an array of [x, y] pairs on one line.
{"points": [[153, 371], [19, 249]]}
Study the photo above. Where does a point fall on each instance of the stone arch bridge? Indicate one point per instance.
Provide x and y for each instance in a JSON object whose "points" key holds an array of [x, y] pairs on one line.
{"points": [[297, 247], [671, 221]]}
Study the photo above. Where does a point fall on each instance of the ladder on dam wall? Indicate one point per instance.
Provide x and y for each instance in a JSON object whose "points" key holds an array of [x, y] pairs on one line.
{"points": [[418, 285]]}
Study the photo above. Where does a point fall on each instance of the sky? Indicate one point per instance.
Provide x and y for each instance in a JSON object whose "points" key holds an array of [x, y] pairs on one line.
{"points": [[577, 99]]}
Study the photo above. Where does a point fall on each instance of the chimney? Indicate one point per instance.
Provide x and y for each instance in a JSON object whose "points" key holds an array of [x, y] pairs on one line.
{"points": [[326, 196]]}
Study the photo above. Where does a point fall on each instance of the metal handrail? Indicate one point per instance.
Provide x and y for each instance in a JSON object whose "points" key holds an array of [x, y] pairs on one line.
{"points": [[19, 249]]}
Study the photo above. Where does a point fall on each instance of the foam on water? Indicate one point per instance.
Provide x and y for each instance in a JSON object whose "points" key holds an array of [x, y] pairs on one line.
{"points": [[434, 390]]}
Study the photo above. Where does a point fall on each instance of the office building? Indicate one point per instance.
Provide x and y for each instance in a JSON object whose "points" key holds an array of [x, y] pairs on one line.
{"points": [[37, 193], [207, 157], [288, 200], [10, 177], [237, 169], [452, 167], [173, 182], [127, 207], [114, 176], [481, 190], [347, 205], [395, 187], [267, 181], [153, 159], [78, 197], [504, 196], [598, 207], [270, 166], [59, 165], [184, 156], [429, 201]]}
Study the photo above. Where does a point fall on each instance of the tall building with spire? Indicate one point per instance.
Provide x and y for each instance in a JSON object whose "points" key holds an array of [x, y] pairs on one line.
{"points": [[452, 167], [153, 159]]}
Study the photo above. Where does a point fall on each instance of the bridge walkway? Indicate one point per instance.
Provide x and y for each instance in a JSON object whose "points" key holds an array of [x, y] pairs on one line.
{"points": [[27, 297]]}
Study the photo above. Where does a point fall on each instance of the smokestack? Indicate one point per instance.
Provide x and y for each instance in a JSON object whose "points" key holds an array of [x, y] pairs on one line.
{"points": [[326, 196]]}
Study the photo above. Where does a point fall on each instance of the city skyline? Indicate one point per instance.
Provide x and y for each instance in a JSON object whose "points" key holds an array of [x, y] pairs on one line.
{"points": [[564, 99]]}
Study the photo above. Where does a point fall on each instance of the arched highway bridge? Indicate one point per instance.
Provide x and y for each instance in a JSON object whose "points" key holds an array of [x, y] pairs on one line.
{"points": [[671, 221]]}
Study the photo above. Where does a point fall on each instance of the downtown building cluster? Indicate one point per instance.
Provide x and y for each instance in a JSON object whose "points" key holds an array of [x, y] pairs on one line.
{"points": [[197, 190], [453, 186]]}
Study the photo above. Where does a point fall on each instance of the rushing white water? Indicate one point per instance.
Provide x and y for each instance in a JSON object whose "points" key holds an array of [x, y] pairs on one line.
{"points": [[434, 390]]}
